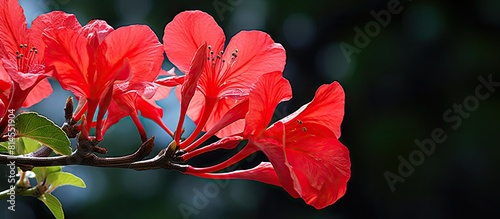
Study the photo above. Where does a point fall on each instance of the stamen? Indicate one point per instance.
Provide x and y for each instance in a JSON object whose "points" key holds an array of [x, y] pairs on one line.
{"points": [[26, 59]]}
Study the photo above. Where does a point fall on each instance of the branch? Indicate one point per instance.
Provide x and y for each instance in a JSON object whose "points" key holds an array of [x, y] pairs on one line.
{"points": [[86, 147], [23, 192], [83, 156]]}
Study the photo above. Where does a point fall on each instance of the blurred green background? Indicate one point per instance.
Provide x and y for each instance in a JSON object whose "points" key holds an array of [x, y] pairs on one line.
{"points": [[408, 80]]}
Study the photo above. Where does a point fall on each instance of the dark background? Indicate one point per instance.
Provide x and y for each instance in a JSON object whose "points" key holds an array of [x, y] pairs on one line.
{"points": [[405, 83]]}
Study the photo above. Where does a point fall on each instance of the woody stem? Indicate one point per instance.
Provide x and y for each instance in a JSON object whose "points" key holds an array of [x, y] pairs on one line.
{"points": [[83, 156]]}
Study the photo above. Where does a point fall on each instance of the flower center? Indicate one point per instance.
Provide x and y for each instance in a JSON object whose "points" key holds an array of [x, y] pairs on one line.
{"points": [[27, 59], [218, 67]]}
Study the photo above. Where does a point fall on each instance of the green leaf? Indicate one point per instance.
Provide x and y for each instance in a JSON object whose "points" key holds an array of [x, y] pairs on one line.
{"points": [[63, 178], [4, 147], [42, 172], [26, 145], [39, 128], [53, 204]]}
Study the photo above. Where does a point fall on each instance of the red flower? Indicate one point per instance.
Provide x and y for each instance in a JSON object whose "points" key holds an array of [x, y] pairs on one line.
{"points": [[127, 103], [23, 74], [89, 60], [305, 156], [227, 74]]}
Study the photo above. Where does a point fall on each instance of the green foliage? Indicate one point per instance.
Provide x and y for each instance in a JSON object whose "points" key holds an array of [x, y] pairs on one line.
{"points": [[63, 178], [39, 128], [4, 147], [26, 145], [51, 178], [53, 204], [43, 172], [33, 131]]}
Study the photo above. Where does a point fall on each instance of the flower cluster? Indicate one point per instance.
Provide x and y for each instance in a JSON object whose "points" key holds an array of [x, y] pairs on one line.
{"points": [[228, 91]]}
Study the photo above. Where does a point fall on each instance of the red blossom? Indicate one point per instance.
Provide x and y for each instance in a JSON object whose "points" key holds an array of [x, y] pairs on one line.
{"points": [[228, 74], [23, 74], [306, 157], [231, 93], [90, 60]]}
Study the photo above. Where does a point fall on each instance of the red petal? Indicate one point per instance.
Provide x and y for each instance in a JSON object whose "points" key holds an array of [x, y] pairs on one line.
{"points": [[189, 87], [5, 81], [115, 114], [136, 43], [327, 109], [269, 90], [145, 89], [231, 129], [234, 115], [13, 27], [223, 106], [104, 103], [150, 110], [69, 56], [196, 106], [52, 20], [273, 148], [42, 90], [99, 27], [171, 81], [318, 164], [186, 33], [257, 55], [161, 93], [25, 80], [3, 109], [322, 170]]}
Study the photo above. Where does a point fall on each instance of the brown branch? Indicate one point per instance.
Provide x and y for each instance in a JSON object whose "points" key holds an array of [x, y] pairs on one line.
{"points": [[160, 161], [84, 156], [87, 147]]}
